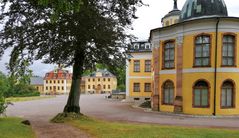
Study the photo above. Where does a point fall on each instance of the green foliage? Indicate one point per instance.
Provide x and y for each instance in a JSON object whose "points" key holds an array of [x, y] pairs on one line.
{"points": [[121, 87], [3, 89], [22, 90], [3, 104], [146, 104], [88, 33]]}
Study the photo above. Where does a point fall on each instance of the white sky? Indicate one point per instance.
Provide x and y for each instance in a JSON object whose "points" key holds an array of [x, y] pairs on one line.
{"points": [[149, 18]]}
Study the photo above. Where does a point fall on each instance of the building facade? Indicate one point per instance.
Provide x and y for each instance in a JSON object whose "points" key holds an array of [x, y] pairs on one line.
{"points": [[37, 83], [195, 65], [57, 81], [101, 81], [138, 72]]}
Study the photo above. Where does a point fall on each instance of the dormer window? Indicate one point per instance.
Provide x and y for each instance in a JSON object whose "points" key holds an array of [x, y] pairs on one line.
{"points": [[136, 46], [142, 46], [147, 46]]}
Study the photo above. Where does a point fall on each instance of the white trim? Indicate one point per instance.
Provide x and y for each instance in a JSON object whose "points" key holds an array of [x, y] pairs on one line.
{"points": [[167, 72], [140, 77], [198, 70], [225, 70], [127, 78], [141, 55], [65, 87], [205, 70]]}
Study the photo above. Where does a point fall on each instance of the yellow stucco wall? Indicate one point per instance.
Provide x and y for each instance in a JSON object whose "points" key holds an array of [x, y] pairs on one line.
{"points": [[162, 80], [142, 93], [188, 79], [141, 77], [142, 68], [109, 81]]}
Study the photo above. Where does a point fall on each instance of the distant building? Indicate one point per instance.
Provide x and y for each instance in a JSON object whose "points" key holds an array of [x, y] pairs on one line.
{"points": [[101, 81], [57, 81], [37, 83], [138, 72]]}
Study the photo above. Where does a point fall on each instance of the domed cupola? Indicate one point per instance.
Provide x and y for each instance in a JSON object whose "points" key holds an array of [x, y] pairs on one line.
{"points": [[203, 8], [172, 17]]}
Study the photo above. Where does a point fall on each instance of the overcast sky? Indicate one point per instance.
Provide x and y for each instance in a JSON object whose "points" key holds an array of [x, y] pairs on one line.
{"points": [[149, 18]]}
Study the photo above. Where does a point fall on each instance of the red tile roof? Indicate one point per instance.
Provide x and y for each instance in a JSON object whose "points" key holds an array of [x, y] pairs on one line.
{"points": [[58, 74]]}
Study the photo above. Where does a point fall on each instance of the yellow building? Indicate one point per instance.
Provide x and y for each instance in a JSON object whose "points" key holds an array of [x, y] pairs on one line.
{"points": [[101, 81], [37, 83], [196, 70], [138, 72], [57, 81]]}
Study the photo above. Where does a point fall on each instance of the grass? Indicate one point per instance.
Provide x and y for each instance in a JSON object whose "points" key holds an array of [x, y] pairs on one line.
{"points": [[22, 99], [13, 128], [104, 129]]}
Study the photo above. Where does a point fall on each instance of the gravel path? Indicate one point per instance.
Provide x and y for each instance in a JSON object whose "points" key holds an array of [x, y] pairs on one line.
{"points": [[39, 112]]}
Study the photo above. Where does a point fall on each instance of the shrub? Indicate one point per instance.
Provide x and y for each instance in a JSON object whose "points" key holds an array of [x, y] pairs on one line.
{"points": [[146, 104], [22, 90], [3, 104]]}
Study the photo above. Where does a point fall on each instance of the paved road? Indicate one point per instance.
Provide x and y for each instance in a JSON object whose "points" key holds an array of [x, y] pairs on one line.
{"points": [[99, 107]]}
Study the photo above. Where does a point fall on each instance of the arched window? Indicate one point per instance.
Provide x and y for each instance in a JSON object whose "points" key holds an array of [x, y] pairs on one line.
{"points": [[202, 51], [168, 93], [228, 50], [201, 94], [227, 95], [168, 55]]}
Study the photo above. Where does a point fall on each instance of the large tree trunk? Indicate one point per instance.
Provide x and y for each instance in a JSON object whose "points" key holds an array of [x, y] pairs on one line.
{"points": [[74, 95]]}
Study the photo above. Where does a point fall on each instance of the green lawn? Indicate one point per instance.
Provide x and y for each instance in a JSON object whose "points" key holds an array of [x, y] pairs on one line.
{"points": [[12, 128], [22, 99], [103, 129]]}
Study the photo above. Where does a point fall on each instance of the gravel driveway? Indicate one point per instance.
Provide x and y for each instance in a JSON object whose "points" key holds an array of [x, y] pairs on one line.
{"points": [[39, 112]]}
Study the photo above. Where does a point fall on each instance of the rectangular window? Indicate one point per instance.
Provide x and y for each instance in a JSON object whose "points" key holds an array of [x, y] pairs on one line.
{"points": [[104, 79], [93, 86], [227, 101], [62, 81], [201, 98], [169, 55], [88, 86], [89, 80], [136, 66], [147, 87], [58, 81], [98, 79], [108, 79], [228, 50], [136, 87], [147, 66], [108, 86], [104, 87], [202, 51], [93, 79], [62, 88], [46, 81], [46, 88], [58, 87]]}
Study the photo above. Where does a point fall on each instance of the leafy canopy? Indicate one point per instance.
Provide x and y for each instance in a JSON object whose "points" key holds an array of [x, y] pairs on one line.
{"points": [[94, 33]]}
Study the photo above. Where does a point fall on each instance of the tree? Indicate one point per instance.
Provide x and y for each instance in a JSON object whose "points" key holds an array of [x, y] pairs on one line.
{"points": [[94, 34], [3, 89]]}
